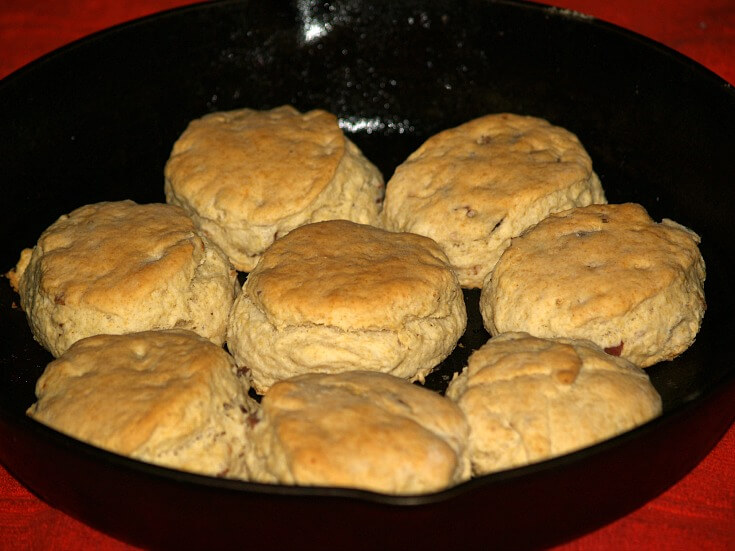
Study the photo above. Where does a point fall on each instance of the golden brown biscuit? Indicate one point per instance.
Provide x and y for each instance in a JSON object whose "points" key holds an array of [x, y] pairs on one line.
{"points": [[358, 429], [607, 273], [165, 397], [247, 177], [528, 399], [121, 267], [338, 296], [474, 187]]}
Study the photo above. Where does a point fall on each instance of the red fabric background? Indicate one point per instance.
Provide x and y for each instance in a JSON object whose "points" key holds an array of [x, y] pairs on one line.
{"points": [[696, 513]]}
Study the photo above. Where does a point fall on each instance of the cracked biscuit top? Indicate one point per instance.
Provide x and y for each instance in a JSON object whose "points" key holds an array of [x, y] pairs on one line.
{"points": [[528, 399], [352, 276], [247, 177], [235, 160], [359, 429], [474, 187], [118, 267], [607, 273], [110, 254], [165, 397]]}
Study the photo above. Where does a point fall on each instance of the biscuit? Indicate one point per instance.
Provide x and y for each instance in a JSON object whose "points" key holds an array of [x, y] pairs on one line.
{"points": [[528, 399], [247, 177], [120, 267], [338, 296], [474, 187], [166, 397], [606, 273], [358, 429]]}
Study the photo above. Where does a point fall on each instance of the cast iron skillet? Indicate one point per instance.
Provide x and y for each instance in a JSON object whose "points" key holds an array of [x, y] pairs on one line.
{"points": [[96, 120]]}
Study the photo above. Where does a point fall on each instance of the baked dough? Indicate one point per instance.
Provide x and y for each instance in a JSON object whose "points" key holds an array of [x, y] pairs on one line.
{"points": [[247, 177], [166, 397], [528, 399], [358, 429], [120, 267], [337, 296], [474, 187], [607, 273]]}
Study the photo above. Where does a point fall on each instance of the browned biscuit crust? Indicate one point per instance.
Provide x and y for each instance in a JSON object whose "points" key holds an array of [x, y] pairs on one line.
{"points": [[474, 187], [359, 429], [607, 273], [248, 177], [120, 267], [165, 397], [528, 399], [336, 296]]}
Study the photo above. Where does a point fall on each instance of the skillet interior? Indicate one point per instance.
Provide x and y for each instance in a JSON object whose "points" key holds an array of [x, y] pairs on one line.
{"points": [[96, 120]]}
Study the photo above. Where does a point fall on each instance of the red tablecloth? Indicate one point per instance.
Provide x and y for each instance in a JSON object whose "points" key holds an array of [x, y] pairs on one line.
{"points": [[696, 513]]}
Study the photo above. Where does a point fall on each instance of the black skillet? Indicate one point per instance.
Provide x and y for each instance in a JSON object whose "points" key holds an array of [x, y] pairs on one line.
{"points": [[95, 121]]}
